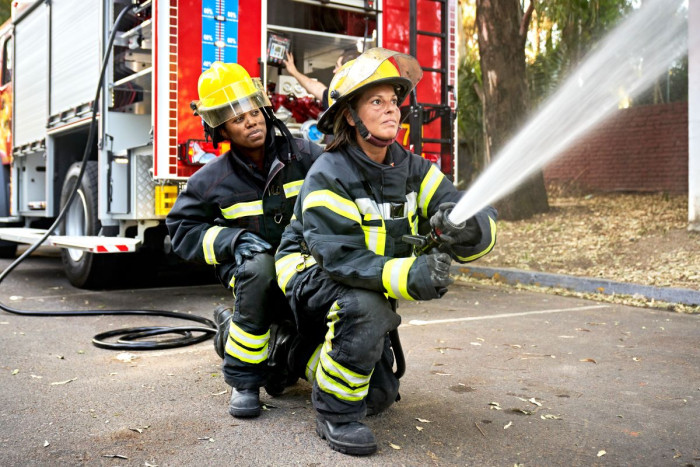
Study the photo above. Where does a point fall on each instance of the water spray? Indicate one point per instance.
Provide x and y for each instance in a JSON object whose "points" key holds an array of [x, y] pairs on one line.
{"points": [[629, 59]]}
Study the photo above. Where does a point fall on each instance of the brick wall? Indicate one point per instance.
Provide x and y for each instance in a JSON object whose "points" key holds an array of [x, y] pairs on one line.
{"points": [[638, 149]]}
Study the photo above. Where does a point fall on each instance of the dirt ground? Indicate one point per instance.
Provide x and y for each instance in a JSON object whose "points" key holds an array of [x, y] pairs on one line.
{"points": [[637, 238]]}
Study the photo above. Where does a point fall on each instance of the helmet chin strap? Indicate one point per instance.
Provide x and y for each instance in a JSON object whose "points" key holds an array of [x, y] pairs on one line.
{"points": [[366, 135]]}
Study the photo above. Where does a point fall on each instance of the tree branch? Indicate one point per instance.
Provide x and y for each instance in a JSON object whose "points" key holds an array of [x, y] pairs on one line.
{"points": [[525, 22]]}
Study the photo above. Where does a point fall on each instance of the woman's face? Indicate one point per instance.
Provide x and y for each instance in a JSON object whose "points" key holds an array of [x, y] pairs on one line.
{"points": [[378, 109], [247, 130]]}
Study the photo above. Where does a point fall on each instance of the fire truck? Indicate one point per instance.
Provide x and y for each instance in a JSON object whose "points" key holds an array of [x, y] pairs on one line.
{"points": [[148, 141]]}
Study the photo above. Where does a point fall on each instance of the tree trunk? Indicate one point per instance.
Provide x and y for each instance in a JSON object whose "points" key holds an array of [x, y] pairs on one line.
{"points": [[501, 29]]}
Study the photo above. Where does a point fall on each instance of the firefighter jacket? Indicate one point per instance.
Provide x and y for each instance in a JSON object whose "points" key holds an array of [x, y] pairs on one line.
{"points": [[352, 213], [228, 196]]}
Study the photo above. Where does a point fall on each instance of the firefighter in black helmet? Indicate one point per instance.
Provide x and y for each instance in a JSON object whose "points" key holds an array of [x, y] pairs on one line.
{"points": [[231, 215], [341, 259]]}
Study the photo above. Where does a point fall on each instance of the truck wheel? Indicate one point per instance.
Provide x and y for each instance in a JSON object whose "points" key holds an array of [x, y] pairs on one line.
{"points": [[83, 269]]}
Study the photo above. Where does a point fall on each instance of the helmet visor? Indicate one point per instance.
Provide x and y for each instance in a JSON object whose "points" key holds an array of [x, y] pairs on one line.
{"points": [[232, 100]]}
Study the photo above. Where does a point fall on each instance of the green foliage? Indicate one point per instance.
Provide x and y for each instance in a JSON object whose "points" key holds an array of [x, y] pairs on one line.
{"points": [[470, 119], [4, 10]]}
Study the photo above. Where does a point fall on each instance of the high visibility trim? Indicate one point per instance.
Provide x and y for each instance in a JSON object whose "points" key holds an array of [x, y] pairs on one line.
{"points": [[289, 265], [395, 277], [346, 387], [312, 364], [346, 375], [245, 355], [245, 338], [428, 186], [339, 390], [411, 208], [333, 202], [251, 208], [492, 224], [232, 284], [208, 244], [292, 189], [375, 238], [247, 347]]}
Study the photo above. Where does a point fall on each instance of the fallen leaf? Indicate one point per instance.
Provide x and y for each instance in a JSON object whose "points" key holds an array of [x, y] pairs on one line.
{"points": [[419, 428], [534, 401], [394, 446], [590, 360], [15, 371], [508, 425], [115, 456], [58, 383], [220, 393], [549, 416], [601, 453], [137, 430], [423, 420], [46, 443]]}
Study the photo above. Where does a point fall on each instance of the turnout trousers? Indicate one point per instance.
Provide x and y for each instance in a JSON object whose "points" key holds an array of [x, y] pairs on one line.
{"points": [[343, 346], [258, 302]]}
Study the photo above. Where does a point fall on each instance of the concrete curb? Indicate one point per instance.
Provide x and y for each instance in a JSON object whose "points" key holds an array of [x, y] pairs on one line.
{"points": [[580, 284]]}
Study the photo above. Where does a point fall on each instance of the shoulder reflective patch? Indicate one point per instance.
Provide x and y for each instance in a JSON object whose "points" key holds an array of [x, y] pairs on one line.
{"points": [[251, 208]]}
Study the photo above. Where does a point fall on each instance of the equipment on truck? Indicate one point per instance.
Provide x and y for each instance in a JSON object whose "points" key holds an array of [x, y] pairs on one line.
{"points": [[147, 142]]}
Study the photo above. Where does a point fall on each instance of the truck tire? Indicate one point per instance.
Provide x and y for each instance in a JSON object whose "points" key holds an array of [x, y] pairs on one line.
{"points": [[83, 269]]}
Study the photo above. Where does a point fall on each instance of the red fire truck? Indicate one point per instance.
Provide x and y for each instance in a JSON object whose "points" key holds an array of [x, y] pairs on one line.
{"points": [[148, 142]]}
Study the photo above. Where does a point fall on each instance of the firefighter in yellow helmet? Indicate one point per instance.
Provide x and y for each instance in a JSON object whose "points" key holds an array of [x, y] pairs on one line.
{"points": [[342, 260], [231, 216]]}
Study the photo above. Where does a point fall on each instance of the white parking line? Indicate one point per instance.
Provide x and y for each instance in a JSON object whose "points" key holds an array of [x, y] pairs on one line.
{"points": [[420, 322]]}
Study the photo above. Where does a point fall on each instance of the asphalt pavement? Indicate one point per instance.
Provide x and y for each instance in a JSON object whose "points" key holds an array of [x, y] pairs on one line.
{"points": [[495, 377]]}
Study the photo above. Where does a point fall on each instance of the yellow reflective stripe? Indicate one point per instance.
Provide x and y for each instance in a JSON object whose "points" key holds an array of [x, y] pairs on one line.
{"points": [[327, 384], [246, 338], [395, 277], [312, 364], [330, 386], [252, 208], [291, 189], [375, 238], [329, 200], [246, 355], [346, 375], [492, 224], [411, 206], [208, 244], [289, 265], [428, 186]]}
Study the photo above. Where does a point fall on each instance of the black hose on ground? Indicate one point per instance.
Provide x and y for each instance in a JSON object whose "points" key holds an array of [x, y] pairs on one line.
{"points": [[130, 337]]}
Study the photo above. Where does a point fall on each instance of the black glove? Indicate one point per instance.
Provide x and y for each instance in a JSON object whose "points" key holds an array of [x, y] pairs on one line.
{"points": [[248, 245], [439, 267], [464, 233]]}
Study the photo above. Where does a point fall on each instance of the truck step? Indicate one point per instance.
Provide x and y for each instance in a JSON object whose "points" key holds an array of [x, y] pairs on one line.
{"points": [[91, 244]]}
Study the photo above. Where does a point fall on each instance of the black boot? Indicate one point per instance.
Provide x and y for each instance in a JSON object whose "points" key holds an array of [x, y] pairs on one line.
{"points": [[279, 377], [352, 438], [222, 318], [244, 403]]}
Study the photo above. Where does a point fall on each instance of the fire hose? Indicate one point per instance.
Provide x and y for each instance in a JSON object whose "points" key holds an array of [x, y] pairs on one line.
{"points": [[130, 337]]}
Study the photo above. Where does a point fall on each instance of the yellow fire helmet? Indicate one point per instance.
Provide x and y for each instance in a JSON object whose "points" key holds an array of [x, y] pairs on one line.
{"points": [[374, 66], [227, 90]]}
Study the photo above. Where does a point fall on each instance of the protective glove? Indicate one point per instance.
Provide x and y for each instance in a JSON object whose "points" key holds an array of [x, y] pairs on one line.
{"points": [[439, 267], [464, 233], [248, 245]]}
